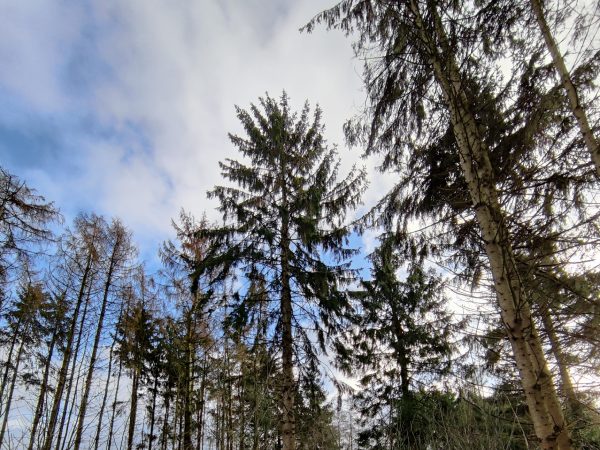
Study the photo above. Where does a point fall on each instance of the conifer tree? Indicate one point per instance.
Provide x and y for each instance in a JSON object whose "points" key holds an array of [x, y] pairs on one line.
{"points": [[119, 254], [25, 331], [580, 113], [400, 341], [436, 66], [78, 266], [285, 212], [24, 220]]}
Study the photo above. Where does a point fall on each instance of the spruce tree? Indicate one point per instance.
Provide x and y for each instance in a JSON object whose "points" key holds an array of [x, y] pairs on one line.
{"points": [[285, 213], [433, 79], [400, 343]]}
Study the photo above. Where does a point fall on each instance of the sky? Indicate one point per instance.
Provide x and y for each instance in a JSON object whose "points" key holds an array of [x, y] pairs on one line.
{"points": [[122, 107]]}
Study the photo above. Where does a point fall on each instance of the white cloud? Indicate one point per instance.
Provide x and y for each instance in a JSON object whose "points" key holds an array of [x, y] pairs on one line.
{"points": [[171, 71]]}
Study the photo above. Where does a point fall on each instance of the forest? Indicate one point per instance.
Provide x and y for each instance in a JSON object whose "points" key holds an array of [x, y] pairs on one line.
{"points": [[473, 324]]}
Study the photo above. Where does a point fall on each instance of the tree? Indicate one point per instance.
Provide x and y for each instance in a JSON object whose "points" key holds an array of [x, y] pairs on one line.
{"points": [[120, 253], [24, 220], [400, 341], [136, 342], [572, 91], [79, 255], [24, 326], [437, 65], [286, 212]]}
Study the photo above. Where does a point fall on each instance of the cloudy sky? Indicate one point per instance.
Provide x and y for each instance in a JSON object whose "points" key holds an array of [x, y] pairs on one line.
{"points": [[122, 107]]}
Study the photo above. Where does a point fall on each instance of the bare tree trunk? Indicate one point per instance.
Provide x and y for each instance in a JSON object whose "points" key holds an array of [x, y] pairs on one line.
{"points": [[39, 409], [114, 407], [60, 444], [242, 412], [90, 374], [561, 361], [591, 142], [11, 391], [187, 385], [536, 379], [133, 409], [7, 365], [201, 407], [105, 394], [62, 376]]}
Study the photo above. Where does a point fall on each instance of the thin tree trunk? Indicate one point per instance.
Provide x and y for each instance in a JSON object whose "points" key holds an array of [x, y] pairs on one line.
{"points": [[591, 142], [8, 363], [201, 407], [242, 412], [176, 431], [39, 409], [288, 426], [62, 376], [536, 379], [153, 412], [105, 394], [133, 409], [165, 430], [187, 386], [561, 361], [401, 353], [114, 407], [60, 444], [90, 373], [11, 391]]}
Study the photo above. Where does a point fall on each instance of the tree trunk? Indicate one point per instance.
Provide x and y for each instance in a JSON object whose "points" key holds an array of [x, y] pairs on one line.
{"points": [[536, 379], [201, 407], [133, 409], [563, 368], [62, 376], [114, 408], [401, 352], [60, 444], [8, 363], [39, 409], [288, 426], [187, 385], [90, 373], [165, 430], [579, 113], [153, 412], [105, 394], [11, 391]]}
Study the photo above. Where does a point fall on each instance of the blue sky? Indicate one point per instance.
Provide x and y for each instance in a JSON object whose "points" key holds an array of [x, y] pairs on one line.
{"points": [[122, 107]]}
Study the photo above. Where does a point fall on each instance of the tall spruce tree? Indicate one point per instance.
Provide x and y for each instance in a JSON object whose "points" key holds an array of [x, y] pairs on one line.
{"points": [[285, 213]]}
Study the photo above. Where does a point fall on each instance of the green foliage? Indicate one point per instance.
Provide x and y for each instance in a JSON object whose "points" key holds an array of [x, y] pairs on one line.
{"points": [[283, 220]]}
